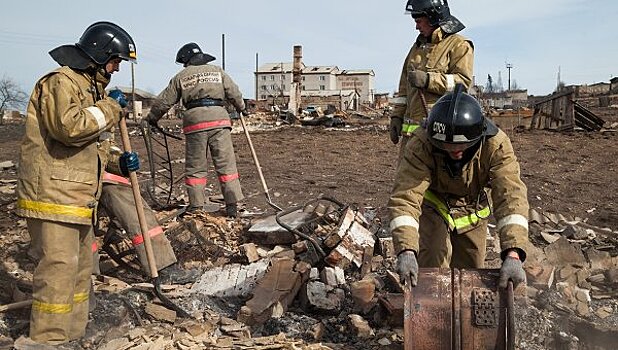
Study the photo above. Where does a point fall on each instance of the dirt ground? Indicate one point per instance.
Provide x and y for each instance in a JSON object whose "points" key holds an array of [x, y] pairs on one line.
{"points": [[570, 173]]}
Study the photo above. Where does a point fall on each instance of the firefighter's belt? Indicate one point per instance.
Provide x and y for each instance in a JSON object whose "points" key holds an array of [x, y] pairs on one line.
{"points": [[204, 102]]}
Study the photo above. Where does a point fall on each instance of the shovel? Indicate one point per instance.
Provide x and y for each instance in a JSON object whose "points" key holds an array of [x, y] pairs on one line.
{"points": [[126, 143], [257, 163], [408, 323]]}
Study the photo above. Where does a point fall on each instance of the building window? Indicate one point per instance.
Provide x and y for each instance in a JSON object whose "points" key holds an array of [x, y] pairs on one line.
{"points": [[263, 77], [303, 78], [302, 87], [282, 77], [273, 87], [322, 87], [263, 87], [322, 78], [263, 97], [272, 77], [283, 87]]}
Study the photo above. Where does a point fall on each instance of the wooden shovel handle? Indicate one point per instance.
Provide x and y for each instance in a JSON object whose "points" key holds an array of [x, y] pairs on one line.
{"points": [[126, 144]]}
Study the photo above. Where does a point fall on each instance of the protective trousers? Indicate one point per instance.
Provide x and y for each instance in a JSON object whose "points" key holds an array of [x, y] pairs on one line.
{"points": [[118, 202], [440, 246], [219, 142], [403, 141], [61, 281]]}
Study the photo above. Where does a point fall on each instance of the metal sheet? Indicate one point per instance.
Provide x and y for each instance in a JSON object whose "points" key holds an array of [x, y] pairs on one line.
{"points": [[432, 311], [492, 313], [457, 309]]}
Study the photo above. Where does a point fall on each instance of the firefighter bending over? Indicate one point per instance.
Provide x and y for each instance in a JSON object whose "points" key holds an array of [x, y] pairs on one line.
{"points": [[439, 206]]}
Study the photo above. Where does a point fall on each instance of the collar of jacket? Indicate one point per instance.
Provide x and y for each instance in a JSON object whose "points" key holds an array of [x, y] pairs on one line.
{"points": [[102, 78], [437, 36]]}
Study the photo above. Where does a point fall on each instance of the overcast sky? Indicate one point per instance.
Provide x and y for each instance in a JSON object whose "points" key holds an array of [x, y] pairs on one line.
{"points": [[538, 37]]}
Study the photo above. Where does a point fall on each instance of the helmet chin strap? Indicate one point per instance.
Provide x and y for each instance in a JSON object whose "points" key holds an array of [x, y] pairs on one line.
{"points": [[454, 167]]}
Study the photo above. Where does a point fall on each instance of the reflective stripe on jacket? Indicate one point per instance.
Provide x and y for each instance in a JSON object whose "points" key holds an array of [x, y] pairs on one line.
{"points": [[459, 223], [421, 170], [408, 127], [194, 83], [60, 158], [448, 60]]}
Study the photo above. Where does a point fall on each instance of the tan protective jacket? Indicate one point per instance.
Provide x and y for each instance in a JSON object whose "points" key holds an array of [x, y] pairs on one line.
{"points": [[197, 82], [448, 59], [494, 165], [62, 156]]}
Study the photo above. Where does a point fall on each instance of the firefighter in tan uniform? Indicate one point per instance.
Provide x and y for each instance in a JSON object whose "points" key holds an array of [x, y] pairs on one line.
{"points": [[439, 207], [437, 61], [204, 90], [59, 180], [118, 202]]}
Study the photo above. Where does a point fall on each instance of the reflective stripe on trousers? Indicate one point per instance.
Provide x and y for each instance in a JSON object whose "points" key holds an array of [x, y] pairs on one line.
{"points": [[219, 143], [61, 280], [55, 209]]}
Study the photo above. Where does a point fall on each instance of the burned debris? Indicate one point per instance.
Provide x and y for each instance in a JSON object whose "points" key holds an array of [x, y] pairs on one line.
{"points": [[262, 285]]}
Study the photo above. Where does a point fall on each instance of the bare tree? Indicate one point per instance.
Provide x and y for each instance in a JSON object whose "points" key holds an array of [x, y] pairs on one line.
{"points": [[11, 96]]}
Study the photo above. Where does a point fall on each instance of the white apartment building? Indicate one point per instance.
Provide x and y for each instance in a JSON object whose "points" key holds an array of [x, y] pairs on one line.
{"points": [[274, 79]]}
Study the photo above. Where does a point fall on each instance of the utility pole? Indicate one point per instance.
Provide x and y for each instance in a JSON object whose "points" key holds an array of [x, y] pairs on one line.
{"points": [[256, 75], [509, 66], [223, 51]]}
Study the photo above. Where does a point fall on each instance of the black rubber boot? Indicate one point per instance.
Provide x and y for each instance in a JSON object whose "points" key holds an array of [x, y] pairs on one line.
{"points": [[231, 210]]}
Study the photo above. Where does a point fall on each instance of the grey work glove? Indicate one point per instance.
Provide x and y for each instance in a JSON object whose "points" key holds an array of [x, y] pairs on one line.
{"points": [[395, 129], [407, 268], [513, 270], [418, 79]]}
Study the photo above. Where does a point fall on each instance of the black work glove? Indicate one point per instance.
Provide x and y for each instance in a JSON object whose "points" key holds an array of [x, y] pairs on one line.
{"points": [[418, 79], [395, 129], [119, 97], [513, 270], [129, 162], [407, 268], [152, 122]]}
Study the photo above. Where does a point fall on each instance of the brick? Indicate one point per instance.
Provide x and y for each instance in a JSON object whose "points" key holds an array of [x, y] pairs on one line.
{"points": [[387, 249], [540, 274], [316, 296], [160, 313], [362, 293], [250, 252], [232, 280], [360, 327], [273, 293], [328, 277], [268, 231], [354, 238]]}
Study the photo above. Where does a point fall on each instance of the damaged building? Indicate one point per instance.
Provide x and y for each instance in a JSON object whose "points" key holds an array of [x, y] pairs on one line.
{"points": [[318, 85]]}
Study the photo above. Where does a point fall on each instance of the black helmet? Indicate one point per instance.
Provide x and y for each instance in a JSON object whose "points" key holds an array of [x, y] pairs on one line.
{"points": [[102, 41], [438, 13], [456, 119], [192, 54]]}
